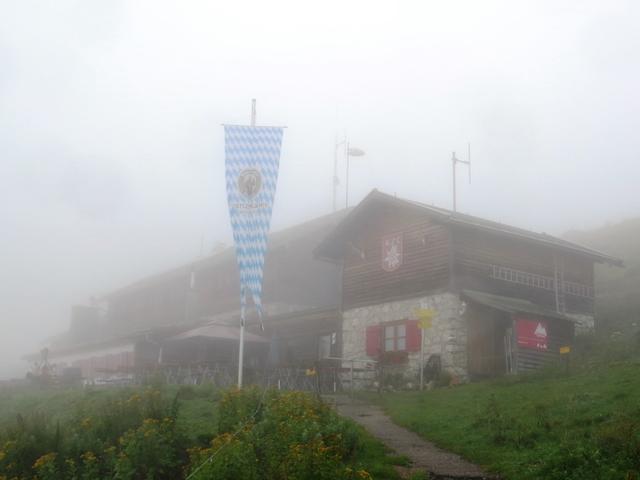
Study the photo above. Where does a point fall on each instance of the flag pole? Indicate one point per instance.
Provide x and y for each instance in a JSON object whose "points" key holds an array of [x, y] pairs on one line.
{"points": [[242, 311], [335, 172], [453, 164], [422, 359], [241, 352]]}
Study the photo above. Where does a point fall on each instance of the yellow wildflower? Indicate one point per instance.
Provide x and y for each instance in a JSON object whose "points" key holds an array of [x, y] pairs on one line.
{"points": [[44, 460], [88, 456]]}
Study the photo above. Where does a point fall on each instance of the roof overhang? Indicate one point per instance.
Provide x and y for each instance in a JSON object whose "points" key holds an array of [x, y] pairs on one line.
{"points": [[512, 305], [539, 239]]}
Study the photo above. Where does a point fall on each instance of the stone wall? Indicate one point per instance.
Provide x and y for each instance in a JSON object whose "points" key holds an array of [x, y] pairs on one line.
{"points": [[447, 337]]}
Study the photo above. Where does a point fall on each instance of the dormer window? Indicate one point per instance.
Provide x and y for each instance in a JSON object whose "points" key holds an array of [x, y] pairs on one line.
{"points": [[357, 251]]}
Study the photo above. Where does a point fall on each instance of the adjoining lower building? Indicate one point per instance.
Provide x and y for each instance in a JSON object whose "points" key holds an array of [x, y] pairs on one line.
{"points": [[502, 299], [185, 322]]}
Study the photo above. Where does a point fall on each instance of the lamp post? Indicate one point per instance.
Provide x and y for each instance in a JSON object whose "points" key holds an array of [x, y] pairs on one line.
{"points": [[348, 152], [336, 181], [351, 152]]}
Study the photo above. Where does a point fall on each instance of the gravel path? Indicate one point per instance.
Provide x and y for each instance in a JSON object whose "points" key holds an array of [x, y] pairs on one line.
{"points": [[440, 464]]}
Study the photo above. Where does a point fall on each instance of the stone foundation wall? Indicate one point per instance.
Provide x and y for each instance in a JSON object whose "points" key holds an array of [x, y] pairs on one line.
{"points": [[447, 337]]}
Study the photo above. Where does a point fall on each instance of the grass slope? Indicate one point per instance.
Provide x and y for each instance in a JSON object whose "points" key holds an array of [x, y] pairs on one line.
{"points": [[584, 426], [196, 415]]}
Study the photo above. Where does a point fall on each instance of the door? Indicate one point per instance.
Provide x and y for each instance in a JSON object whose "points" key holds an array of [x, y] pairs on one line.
{"points": [[508, 350]]}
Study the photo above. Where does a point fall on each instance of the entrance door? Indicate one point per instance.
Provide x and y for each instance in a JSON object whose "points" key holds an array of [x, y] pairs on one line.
{"points": [[508, 350]]}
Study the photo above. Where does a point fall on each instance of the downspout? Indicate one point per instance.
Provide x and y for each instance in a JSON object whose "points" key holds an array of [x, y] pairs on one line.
{"points": [[452, 280], [558, 280]]}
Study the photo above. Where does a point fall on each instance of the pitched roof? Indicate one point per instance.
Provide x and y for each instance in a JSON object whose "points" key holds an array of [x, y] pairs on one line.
{"points": [[327, 248]]}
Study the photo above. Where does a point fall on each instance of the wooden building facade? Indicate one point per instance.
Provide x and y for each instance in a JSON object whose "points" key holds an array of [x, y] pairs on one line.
{"points": [[488, 285]]}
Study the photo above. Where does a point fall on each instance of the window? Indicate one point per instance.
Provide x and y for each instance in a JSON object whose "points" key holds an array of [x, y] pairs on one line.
{"points": [[399, 336], [326, 345], [357, 252], [578, 289], [395, 338]]}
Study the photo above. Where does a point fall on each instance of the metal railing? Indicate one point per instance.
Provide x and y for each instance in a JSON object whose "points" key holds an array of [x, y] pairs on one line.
{"points": [[351, 362]]}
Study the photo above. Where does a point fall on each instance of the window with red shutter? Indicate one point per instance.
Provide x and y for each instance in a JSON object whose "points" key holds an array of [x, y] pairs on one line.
{"points": [[400, 336], [414, 336], [373, 340], [395, 337]]}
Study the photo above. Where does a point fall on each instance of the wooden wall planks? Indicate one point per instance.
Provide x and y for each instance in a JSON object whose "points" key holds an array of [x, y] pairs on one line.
{"points": [[476, 252], [424, 259]]}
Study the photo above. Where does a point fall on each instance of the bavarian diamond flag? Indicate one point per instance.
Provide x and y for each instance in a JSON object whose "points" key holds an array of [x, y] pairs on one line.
{"points": [[252, 156]]}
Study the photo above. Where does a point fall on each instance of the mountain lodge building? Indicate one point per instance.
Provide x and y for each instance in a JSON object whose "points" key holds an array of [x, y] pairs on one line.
{"points": [[353, 285]]}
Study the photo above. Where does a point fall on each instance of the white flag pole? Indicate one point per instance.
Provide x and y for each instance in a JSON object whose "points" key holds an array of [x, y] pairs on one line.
{"points": [[241, 355], [422, 359], [242, 319]]}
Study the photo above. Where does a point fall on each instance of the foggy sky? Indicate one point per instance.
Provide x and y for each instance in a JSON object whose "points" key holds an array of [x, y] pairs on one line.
{"points": [[111, 147]]}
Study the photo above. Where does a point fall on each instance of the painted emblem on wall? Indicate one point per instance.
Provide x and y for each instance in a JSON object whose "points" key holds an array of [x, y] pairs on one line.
{"points": [[391, 252], [249, 182]]}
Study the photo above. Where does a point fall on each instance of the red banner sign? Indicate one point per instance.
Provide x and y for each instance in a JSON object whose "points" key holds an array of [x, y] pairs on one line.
{"points": [[532, 334]]}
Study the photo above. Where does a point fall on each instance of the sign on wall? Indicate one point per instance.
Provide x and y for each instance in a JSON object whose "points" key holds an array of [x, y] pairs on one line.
{"points": [[425, 317], [391, 252], [532, 334]]}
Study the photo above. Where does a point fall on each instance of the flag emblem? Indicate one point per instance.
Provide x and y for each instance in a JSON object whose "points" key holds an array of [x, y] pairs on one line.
{"points": [[249, 182], [252, 157]]}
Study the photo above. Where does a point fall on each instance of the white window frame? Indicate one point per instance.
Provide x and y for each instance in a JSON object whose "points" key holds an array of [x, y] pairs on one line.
{"points": [[398, 337]]}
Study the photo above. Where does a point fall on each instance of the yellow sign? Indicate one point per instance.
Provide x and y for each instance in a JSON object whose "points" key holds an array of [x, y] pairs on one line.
{"points": [[425, 317], [564, 350]]}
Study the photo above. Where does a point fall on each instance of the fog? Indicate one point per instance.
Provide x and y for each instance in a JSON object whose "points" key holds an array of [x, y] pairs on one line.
{"points": [[112, 163]]}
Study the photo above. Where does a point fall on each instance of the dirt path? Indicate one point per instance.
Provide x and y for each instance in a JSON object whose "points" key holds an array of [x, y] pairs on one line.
{"points": [[440, 464]]}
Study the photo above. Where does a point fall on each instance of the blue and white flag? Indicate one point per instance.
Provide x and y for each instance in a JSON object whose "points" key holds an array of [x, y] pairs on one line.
{"points": [[252, 158]]}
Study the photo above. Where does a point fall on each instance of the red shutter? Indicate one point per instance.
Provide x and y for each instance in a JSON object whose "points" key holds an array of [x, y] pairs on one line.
{"points": [[414, 336], [373, 340]]}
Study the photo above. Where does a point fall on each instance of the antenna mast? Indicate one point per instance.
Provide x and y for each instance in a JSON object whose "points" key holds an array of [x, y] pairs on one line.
{"points": [[455, 161], [336, 181]]}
